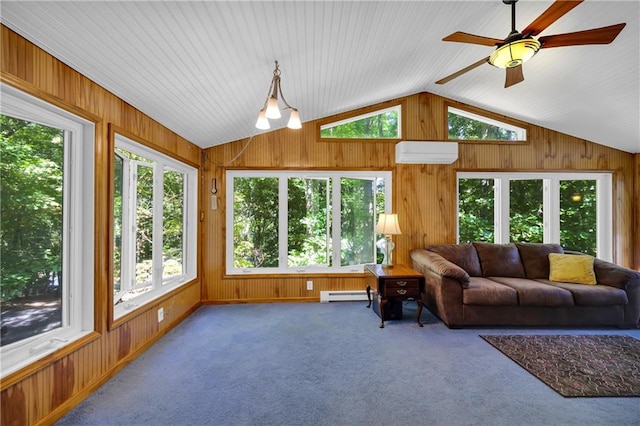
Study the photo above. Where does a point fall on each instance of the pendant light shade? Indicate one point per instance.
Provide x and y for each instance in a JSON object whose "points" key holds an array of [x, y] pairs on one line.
{"points": [[294, 120], [272, 112], [262, 123]]}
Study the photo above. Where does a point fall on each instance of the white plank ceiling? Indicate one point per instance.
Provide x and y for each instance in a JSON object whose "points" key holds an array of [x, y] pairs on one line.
{"points": [[203, 68]]}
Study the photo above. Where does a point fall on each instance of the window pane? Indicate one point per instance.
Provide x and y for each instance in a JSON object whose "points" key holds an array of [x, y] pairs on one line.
{"points": [[578, 220], [379, 125], [357, 214], [255, 224], [464, 125], [476, 210], [309, 234], [173, 224], [525, 211], [31, 228], [144, 229], [118, 193]]}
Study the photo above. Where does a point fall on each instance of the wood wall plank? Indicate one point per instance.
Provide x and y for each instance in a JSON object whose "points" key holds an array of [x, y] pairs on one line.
{"points": [[636, 212], [61, 380]]}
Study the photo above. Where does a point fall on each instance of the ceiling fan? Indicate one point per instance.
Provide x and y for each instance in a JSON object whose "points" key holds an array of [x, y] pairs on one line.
{"points": [[519, 47]]}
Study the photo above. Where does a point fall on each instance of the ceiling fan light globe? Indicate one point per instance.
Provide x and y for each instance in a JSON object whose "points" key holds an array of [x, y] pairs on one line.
{"points": [[514, 53]]}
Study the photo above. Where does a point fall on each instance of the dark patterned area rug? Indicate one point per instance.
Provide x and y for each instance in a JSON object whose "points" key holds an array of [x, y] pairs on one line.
{"points": [[577, 365]]}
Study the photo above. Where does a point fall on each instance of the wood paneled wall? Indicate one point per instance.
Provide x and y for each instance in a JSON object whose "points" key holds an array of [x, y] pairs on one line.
{"points": [[44, 391], [636, 212], [424, 195]]}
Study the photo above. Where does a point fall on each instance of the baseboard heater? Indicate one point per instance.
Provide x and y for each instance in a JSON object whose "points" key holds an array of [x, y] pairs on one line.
{"points": [[343, 295]]}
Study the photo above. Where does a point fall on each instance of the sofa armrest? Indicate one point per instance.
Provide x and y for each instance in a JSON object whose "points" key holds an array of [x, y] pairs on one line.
{"points": [[613, 275], [439, 265]]}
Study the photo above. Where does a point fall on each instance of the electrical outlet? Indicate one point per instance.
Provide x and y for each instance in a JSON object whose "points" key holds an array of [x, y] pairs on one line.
{"points": [[160, 314], [309, 285]]}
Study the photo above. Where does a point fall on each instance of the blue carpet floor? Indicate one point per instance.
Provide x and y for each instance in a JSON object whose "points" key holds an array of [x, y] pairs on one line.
{"points": [[330, 364]]}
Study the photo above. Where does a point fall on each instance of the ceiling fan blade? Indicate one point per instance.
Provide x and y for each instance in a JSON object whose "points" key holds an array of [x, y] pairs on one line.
{"points": [[462, 71], [604, 35], [461, 37], [514, 76], [549, 16]]}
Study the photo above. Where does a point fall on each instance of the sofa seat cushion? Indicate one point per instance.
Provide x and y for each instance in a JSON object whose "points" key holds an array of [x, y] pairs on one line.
{"points": [[534, 293], [463, 255], [593, 295], [535, 258], [483, 291], [500, 260]]}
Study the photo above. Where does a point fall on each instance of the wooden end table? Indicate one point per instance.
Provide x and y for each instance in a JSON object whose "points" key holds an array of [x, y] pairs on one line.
{"points": [[398, 283]]}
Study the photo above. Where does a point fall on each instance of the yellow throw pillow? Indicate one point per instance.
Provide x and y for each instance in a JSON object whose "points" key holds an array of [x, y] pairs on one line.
{"points": [[571, 268]]}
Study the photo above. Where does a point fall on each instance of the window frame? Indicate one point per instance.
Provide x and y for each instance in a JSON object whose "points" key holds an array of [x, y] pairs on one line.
{"points": [[161, 162], [551, 201], [78, 228], [283, 176]]}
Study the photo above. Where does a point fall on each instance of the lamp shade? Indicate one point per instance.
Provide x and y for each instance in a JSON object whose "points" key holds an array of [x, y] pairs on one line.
{"points": [[294, 120], [273, 111], [262, 122], [388, 224], [514, 53]]}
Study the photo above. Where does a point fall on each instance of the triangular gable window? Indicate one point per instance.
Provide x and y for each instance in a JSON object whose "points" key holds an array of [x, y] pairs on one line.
{"points": [[464, 125], [381, 124]]}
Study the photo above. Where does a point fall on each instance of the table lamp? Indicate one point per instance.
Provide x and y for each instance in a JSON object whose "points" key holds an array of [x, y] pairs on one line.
{"points": [[388, 225]]}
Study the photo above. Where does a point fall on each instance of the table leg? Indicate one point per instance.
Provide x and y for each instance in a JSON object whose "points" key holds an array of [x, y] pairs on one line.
{"points": [[383, 302], [419, 301], [369, 296]]}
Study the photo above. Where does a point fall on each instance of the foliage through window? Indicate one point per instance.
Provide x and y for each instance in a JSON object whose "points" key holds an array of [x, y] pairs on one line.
{"points": [[304, 221], [46, 228], [572, 209], [382, 124], [154, 224], [464, 125]]}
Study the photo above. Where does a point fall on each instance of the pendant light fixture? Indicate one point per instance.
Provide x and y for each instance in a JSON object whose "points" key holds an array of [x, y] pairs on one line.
{"points": [[271, 109]]}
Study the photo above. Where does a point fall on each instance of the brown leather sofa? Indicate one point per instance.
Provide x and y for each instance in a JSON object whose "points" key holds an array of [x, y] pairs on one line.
{"points": [[484, 284]]}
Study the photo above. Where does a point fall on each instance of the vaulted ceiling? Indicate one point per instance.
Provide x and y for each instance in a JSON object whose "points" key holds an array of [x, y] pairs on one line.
{"points": [[203, 69]]}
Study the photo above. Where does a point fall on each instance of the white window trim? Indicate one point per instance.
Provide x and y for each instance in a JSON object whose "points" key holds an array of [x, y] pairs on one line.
{"points": [[283, 236], [551, 195], [190, 222], [78, 228], [519, 131], [397, 108]]}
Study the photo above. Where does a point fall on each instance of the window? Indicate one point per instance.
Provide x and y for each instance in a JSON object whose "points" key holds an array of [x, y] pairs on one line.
{"points": [[381, 124], [154, 210], [46, 228], [464, 125], [288, 222], [572, 209]]}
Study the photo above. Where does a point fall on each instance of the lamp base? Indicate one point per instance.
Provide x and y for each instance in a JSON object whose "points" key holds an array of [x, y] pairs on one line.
{"points": [[388, 248]]}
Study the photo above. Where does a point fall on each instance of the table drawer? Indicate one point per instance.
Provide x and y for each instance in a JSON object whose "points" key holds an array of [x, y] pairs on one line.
{"points": [[402, 282], [401, 292]]}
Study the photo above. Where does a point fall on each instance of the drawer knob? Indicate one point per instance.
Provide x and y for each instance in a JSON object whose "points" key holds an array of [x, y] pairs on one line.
{"points": [[402, 283], [402, 291]]}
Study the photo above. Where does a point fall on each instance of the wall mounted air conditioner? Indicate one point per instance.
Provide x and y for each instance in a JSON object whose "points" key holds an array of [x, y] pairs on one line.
{"points": [[426, 152]]}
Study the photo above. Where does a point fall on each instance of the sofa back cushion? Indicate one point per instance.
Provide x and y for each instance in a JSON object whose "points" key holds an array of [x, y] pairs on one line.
{"points": [[535, 258], [499, 260], [463, 255]]}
